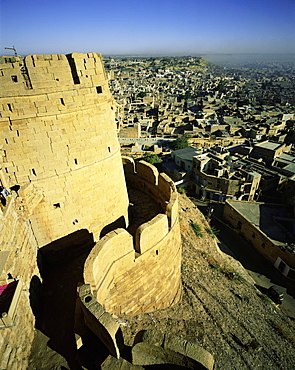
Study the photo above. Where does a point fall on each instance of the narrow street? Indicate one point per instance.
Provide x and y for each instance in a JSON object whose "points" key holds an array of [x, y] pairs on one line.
{"points": [[263, 272]]}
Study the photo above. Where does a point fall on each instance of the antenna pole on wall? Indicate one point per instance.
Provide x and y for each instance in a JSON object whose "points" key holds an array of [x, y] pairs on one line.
{"points": [[13, 48]]}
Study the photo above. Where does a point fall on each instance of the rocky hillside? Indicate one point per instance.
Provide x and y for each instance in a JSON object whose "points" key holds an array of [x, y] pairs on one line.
{"points": [[221, 309]]}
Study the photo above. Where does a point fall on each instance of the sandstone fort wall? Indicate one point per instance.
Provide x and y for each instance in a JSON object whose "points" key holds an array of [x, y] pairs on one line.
{"points": [[17, 263], [60, 159], [134, 275], [59, 132]]}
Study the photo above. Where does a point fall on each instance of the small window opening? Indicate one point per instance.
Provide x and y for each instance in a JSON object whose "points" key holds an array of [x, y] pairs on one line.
{"points": [[57, 79], [34, 172], [99, 89], [62, 101], [4, 153], [6, 169], [15, 188], [6, 141], [109, 149], [17, 132], [14, 78], [157, 252], [76, 161], [88, 299], [56, 205], [75, 222], [9, 107]]}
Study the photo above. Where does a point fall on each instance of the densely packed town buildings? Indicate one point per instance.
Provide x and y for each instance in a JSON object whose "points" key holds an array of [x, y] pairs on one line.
{"points": [[239, 123]]}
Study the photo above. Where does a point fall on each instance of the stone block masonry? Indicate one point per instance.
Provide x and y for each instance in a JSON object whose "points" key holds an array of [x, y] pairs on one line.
{"points": [[60, 135], [132, 276], [60, 159]]}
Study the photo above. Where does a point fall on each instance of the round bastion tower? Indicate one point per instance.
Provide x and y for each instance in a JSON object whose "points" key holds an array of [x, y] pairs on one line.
{"points": [[58, 134], [60, 157]]}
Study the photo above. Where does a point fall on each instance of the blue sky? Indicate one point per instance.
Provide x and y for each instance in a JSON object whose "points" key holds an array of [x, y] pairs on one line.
{"points": [[147, 27]]}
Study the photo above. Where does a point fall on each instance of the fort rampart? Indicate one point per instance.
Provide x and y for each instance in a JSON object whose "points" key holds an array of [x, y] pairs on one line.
{"points": [[60, 160], [131, 275], [18, 265], [58, 131]]}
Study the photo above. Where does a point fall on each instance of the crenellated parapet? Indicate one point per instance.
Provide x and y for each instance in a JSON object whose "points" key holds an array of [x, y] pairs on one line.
{"points": [[131, 274], [59, 134], [60, 161], [45, 74]]}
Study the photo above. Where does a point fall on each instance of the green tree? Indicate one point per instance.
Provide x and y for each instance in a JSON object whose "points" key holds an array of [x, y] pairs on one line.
{"points": [[179, 143], [187, 95], [151, 158]]}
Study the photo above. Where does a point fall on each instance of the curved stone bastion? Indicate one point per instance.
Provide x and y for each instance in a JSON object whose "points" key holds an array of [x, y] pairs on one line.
{"points": [[139, 271]]}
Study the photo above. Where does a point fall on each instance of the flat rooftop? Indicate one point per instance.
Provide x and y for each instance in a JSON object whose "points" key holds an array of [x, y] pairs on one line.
{"points": [[268, 145], [275, 220]]}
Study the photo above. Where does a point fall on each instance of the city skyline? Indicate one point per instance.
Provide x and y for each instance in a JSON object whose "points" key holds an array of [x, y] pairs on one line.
{"points": [[149, 27]]}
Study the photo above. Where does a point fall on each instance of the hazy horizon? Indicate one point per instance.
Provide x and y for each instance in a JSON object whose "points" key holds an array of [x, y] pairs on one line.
{"points": [[148, 27]]}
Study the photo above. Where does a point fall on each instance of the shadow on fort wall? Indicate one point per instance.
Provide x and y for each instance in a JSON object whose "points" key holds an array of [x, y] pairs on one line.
{"points": [[53, 301]]}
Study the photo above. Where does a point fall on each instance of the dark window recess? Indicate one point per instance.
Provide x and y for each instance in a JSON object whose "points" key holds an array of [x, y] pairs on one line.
{"points": [[17, 132], [239, 226], [109, 149], [9, 107], [76, 161], [6, 141], [99, 89], [282, 266], [14, 78], [253, 236], [62, 101], [75, 222], [15, 188], [6, 169], [73, 67], [57, 79], [1, 73], [157, 252], [56, 205], [34, 172]]}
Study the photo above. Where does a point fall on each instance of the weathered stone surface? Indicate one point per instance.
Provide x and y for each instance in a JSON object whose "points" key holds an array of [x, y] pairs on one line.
{"points": [[154, 337], [118, 364], [146, 354], [189, 349], [100, 322]]}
